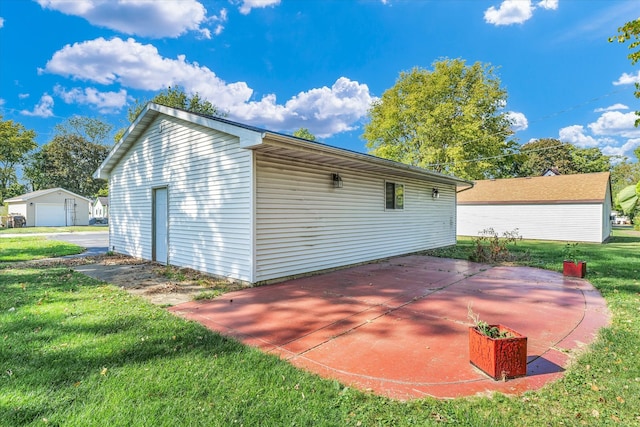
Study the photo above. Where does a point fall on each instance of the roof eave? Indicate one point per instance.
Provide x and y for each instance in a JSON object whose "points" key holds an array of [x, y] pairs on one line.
{"points": [[301, 144]]}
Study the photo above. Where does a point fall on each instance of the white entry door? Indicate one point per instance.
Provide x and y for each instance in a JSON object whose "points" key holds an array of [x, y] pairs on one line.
{"points": [[160, 225]]}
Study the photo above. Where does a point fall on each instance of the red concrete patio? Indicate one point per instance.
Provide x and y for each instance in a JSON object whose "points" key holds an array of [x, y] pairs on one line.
{"points": [[399, 327]]}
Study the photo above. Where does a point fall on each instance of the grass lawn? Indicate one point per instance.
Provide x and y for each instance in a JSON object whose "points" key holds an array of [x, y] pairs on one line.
{"points": [[77, 352], [14, 249], [70, 229]]}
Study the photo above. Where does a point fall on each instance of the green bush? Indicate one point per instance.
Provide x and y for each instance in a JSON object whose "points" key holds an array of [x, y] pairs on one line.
{"points": [[490, 247]]}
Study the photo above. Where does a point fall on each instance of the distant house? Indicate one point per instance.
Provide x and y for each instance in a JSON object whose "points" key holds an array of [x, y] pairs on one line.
{"points": [[53, 207], [551, 172], [554, 207], [101, 207], [256, 206]]}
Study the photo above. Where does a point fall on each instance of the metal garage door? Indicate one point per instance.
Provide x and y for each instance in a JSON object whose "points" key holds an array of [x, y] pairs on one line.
{"points": [[50, 215]]}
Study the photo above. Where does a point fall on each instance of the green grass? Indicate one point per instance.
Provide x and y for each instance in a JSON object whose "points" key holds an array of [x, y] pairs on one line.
{"points": [[71, 229], [14, 249], [76, 352]]}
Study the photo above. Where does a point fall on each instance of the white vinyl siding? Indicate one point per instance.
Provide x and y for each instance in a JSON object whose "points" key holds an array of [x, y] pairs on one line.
{"points": [[572, 222], [208, 177], [18, 209], [304, 224], [607, 226]]}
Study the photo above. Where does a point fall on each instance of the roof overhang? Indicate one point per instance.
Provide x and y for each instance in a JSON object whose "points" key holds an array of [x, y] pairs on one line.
{"points": [[273, 143], [35, 194], [303, 150]]}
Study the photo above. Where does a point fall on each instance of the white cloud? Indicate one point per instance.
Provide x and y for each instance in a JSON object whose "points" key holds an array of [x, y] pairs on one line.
{"points": [[607, 133], [1, 22], [106, 102], [166, 18], [247, 5], [613, 107], [44, 108], [616, 123], [516, 11], [23, 95], [625, 150], [2, 101], [139, 66], [548, 4], [324, 111], [627, 79], [518, 121], [220, 20], [509, 12], [576, 135]]}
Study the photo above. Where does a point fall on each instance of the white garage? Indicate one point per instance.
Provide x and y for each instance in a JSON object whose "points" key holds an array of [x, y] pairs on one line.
{"points": [[561, 207], [54, 207]]}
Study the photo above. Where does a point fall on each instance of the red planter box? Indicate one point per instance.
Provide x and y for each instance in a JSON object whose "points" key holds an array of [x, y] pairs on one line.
{"points": [[500, 358], [572, 269]]}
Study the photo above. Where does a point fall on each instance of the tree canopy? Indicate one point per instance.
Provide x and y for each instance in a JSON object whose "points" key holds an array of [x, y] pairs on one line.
{"points": [[304, 134], [631, 31], [15, 143], [95, 131], [547, 153], [70, 159], [449, 119], [625, 173], [176, 97]]}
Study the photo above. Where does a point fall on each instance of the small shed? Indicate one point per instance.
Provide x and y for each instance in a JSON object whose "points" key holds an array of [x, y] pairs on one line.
{"points": [[552, 207], [53, 207], [258, 206]]}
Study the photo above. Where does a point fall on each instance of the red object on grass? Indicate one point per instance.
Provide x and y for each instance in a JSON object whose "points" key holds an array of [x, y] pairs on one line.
{"points": [[572, 269]]}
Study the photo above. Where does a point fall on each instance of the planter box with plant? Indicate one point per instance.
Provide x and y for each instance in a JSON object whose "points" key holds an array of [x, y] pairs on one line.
{"points": [[497, 350], [571, 266]]}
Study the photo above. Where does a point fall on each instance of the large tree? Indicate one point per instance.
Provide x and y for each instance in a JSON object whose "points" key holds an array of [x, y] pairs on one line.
{"points": [[449, 119], [625, 173], [15, 143], [550, 153], [176, 97], [67, 161], [173, 97], [631, 31], [95, 131]]}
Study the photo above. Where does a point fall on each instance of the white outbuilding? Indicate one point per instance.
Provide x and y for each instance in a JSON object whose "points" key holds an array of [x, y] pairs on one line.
{"points": [[54, 207], [258, 206], [552, 207]]}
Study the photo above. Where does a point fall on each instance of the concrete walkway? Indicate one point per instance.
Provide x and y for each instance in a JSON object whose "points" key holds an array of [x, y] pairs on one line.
{"points": [[399, 328]]}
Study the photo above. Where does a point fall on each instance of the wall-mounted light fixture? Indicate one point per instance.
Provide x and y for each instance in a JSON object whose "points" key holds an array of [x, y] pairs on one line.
{"points": [[31, 204], [337, 180], [435, 193]]}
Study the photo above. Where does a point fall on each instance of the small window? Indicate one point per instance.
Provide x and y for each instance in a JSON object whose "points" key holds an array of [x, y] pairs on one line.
{"points": [[394, 195]]}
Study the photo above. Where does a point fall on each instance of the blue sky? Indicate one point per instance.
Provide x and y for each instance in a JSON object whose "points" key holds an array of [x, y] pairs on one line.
{"points": [[286, 64]]}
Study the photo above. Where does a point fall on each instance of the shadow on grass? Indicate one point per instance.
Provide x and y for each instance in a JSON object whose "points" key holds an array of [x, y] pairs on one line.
{"points": [[61, 330]]}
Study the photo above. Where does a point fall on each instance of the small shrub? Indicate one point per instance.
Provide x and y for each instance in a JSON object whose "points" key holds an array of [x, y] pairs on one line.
{"points": [[490, 247], [207, 295], [483, 327], [570, 252]]}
